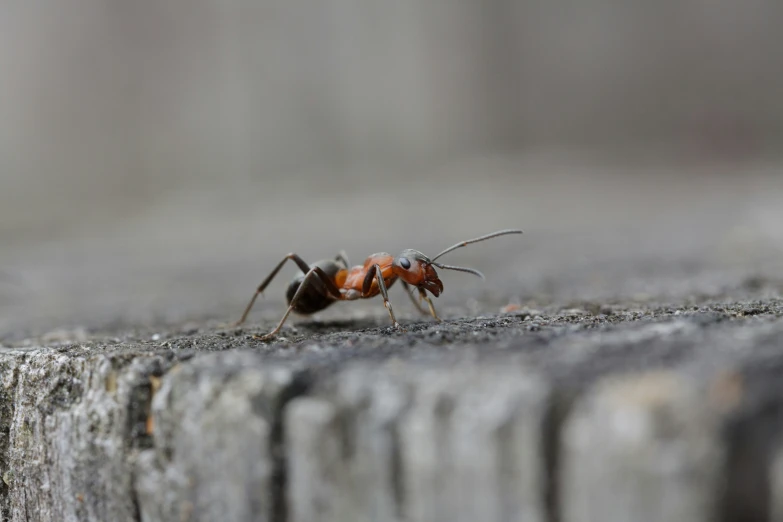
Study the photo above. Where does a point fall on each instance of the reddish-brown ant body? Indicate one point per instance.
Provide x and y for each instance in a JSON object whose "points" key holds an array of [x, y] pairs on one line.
{"points": [[330, 280]]}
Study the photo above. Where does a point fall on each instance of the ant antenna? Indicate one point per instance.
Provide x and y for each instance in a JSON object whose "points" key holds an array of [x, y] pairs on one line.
{"points": [[461, 269], [468, 242]]}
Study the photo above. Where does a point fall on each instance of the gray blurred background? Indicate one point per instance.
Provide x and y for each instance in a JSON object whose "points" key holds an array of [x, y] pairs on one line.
{"points": [[157, 157]]}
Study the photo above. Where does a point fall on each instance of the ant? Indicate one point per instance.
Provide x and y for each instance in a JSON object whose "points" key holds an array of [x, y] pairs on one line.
{"points": [[328, 281]]}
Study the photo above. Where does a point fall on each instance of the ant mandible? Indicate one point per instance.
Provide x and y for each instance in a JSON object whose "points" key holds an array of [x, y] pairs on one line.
{"points": [[331, 280]]}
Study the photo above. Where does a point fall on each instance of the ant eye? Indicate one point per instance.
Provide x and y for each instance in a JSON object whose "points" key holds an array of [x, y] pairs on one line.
{"points": [[405, 263]]}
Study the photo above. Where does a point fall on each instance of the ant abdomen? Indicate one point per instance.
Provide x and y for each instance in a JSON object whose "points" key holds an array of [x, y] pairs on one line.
{"points": [[315, 296]]}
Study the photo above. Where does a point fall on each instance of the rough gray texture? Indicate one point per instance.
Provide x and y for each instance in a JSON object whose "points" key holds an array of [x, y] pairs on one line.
{"points": [[216, 445], [344, 449], [125, 397], [508, 417], [644, 449], [72, 423], [776, 487], [420, 444], [472, 447]]}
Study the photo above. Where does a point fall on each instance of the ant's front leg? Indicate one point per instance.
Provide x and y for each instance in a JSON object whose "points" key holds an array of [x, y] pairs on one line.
{"points": [[424, 296], [416, 303], [375, 271]]}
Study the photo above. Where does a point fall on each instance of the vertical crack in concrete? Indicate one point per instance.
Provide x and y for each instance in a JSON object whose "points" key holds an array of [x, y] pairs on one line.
{"points": [[747, 494], [7, 411], [397, 472], [140, 425], [751, 443], [557, 409], [277, 449], [752, 438]]}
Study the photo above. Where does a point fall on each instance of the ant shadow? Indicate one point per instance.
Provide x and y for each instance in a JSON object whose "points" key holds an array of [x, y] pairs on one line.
{"points": [[339, 325], [368, 325]]}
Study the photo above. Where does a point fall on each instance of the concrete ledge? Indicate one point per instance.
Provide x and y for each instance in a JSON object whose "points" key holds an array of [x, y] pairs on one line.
{"points": [[646, 448], [413, 443], [670, 420], [71, 425], [217, 448]]}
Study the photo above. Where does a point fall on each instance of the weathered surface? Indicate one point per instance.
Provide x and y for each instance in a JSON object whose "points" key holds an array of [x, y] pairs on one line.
{"points": [[344, 449], [644, 448], [497, 418], [72, 424], [217, 448], [472, 447], [524, 416], [125, 397], [420, 444]]}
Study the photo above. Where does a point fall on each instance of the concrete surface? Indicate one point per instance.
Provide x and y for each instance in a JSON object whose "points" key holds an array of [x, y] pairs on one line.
{"points": [[621, 362]]}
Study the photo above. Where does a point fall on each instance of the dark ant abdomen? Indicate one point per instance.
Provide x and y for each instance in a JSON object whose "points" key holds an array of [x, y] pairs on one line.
{"points": [[315, 297]]}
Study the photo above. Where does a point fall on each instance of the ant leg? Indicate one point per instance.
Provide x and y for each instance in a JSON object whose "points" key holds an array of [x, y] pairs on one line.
{"points": [[343, 258], [375, 270], [424, 296], [316, 272], [416, 303], [331, 287], [303, 266]]}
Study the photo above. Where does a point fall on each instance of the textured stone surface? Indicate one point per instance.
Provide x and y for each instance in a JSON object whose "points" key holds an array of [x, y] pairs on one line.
{"points": [[72, 424], [124, 396], [418, 444], [652, 412], [217, 447], [472, 447], [644, 449]]}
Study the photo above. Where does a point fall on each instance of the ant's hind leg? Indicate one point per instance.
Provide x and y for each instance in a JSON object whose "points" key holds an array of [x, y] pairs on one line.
{"points": [[303, 266], [314, 272], [424, 296]]}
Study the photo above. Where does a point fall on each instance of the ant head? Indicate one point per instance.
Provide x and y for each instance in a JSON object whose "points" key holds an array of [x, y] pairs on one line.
{"points": [[416, 269]]}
